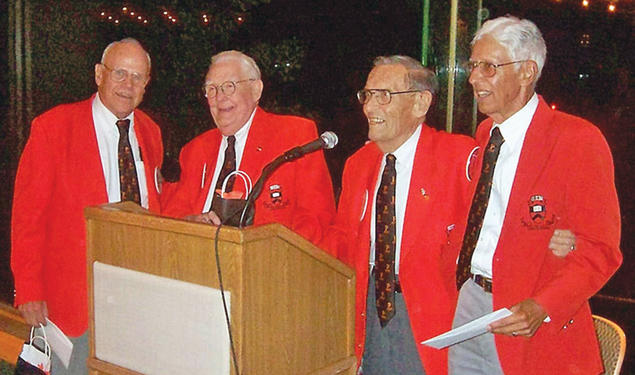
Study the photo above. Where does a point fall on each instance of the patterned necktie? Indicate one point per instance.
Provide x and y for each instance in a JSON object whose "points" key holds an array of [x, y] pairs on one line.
{"points": [[229, 165], [385, 241], [478, 208], [128, 184]]}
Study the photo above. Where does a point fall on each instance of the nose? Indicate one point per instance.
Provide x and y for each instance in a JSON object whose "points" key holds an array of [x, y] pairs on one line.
{"points": [[473, 76]]}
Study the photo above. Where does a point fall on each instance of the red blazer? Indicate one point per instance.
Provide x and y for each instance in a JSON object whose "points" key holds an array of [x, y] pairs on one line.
{"points": [[565, 173], [437, 196], [59, 174], [306, 205]]}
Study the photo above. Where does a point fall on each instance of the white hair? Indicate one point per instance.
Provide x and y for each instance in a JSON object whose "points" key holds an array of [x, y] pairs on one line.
{"points": [[520, 37], [419, 77], [247, 61], [125, 40]]}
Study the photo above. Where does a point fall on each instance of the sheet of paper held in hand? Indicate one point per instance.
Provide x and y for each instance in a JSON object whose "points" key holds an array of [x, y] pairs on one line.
{"points": [[466, 331], [58, 341]]}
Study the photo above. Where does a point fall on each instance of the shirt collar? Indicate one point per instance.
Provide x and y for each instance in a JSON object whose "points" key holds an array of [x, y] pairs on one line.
{"points": [[408, 148], [241, 134], [514, 128], [101, 109]]}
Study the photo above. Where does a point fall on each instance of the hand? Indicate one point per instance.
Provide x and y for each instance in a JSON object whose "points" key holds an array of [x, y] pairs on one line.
{"points": [[34, 312], [207, 218], [562, 242], [526, 318]]}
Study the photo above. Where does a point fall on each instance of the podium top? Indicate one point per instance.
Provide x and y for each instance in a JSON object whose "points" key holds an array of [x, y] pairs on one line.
{"points": [[131, 214]]}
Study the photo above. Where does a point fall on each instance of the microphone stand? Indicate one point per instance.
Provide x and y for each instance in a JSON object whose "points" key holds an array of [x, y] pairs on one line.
{"points": [[292, 154]]}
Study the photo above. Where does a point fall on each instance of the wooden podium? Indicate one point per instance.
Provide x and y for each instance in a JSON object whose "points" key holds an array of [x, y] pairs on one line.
{"points": [[292, 305]]}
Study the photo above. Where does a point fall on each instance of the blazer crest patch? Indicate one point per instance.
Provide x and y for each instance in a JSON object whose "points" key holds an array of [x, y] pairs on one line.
{"points": [[276, 199], [538, 217]]}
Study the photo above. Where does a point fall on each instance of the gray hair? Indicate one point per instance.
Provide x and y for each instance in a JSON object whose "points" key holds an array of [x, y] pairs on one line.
{"points": [[520, 37], [247, 61], [126, 41], [419, 77]]}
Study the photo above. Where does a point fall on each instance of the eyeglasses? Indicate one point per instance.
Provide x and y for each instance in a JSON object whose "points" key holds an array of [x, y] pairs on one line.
{"points": [[120, 75], [382, 96], [228, 88], [487, 68]]}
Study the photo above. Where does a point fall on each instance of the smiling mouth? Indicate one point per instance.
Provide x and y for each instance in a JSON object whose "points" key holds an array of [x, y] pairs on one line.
{"points": [[480, 94], [375, 121], [124, 95]]}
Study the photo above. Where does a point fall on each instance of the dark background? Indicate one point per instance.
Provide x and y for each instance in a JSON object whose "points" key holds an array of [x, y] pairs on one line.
{"points": [[314, 55]]}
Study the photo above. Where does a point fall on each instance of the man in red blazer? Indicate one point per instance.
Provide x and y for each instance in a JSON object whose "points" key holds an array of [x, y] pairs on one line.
{"points": [[431, 190], [298, 195], [553, 169], [70, 162]]}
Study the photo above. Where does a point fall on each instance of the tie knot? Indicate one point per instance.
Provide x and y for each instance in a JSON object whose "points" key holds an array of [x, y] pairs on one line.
{"points": [[123, 126], [390, 160], [497, 138], [231, 140]]}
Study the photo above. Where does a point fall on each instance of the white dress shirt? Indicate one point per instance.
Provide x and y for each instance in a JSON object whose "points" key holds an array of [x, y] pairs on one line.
{"points": [[108, 143], [239, 147], [513, 130], [405, 156]]}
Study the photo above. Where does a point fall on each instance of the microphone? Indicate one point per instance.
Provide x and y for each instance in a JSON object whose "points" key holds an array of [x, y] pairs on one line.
{"points": [[326, 141]]}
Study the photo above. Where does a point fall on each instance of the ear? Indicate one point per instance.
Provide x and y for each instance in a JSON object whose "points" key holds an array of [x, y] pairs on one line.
{"points": [[99, 74], [256, 89], [528, 73], [422, 103]]}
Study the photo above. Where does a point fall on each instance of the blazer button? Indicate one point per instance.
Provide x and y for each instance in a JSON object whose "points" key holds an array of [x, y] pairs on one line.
{"points": [[362, 314], [571, 321]]}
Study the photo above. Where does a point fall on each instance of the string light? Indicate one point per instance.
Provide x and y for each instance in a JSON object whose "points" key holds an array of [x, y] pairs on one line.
{"points": [[612, 8], [585, 3]]}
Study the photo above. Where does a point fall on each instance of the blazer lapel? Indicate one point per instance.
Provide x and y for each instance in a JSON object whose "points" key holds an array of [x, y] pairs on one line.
{"points": [[539, 141], [210, 154], [416, 214], [86, 156]]}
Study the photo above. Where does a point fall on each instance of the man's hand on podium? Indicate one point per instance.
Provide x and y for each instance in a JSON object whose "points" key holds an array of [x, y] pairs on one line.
{"points": [[207, 218]]}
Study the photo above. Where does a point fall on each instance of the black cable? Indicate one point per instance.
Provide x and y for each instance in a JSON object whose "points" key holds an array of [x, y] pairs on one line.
{"points": [[222, 293]]}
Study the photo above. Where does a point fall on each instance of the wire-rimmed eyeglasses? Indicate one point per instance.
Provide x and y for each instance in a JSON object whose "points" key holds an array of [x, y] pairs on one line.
{"points": [[488, 69], [228, 88], [120, 75], [382, 96]]}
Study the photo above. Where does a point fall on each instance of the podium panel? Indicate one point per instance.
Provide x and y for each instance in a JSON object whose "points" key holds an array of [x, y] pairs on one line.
{"points": [[291, 304]]}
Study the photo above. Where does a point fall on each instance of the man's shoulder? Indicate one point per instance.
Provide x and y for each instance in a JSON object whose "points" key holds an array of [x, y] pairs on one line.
{"points": [[144, 119], [290, 123], [439, 142], [368, 153], [203, 139], [66, 110]]}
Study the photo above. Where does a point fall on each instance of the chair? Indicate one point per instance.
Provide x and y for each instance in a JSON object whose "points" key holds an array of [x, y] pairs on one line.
{"points": [[612, 344]]}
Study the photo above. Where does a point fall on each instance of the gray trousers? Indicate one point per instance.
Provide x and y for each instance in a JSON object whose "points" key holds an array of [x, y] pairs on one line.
{"points": [[392, 349], [477, 355], [77, 364]]}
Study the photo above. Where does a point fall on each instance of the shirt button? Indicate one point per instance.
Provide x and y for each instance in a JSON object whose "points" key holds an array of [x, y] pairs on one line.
{"points": [[571, 321]]}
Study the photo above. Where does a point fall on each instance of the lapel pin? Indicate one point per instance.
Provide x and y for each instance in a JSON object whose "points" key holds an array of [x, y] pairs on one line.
{"points": [[424, 193]]}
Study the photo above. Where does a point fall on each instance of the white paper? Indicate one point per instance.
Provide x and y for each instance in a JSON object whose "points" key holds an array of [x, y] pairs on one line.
{"points": [[466, 331], [159, 326], [58, 341]]}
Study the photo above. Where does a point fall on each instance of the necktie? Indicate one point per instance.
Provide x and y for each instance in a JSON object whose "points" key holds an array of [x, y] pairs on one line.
{"points": [[229, 165], [128, 184], [478, 208], [385, 241]]}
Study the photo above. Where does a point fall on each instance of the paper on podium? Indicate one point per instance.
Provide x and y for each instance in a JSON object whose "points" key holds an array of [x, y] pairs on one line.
{"points": [[466, 331]]}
